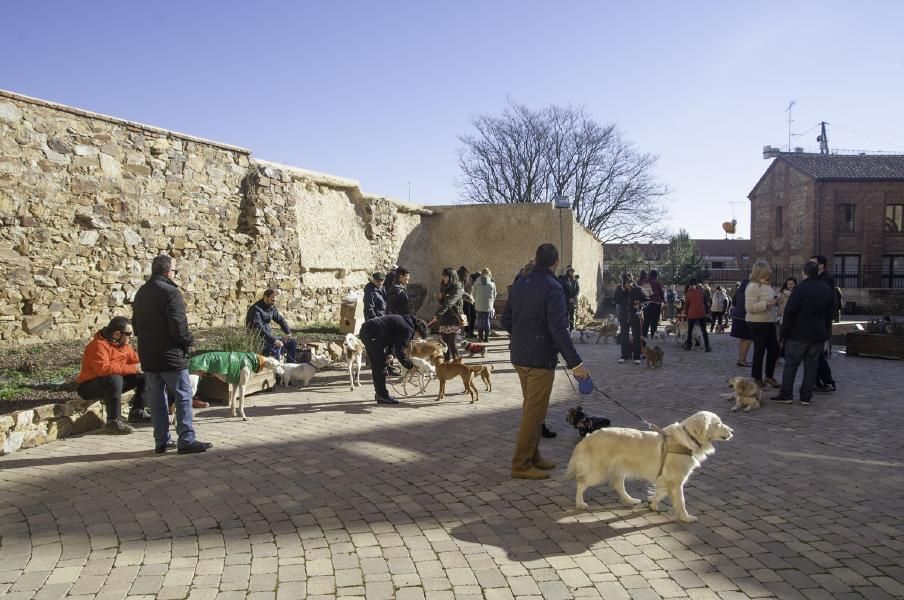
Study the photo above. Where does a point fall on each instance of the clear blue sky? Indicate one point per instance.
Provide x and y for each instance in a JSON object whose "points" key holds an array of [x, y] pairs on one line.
{"points": [[379, 91]]}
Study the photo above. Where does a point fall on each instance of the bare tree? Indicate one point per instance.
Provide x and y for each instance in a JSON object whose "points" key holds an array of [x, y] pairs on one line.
{"points": [[526, 156]]}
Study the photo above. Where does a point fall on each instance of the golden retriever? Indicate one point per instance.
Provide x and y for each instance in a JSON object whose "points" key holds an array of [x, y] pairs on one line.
{"points": [[747, 393], [666, 459]]}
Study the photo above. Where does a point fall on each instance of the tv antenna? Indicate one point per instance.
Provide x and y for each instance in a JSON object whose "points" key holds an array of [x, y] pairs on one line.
{"points": [[790, 120]]}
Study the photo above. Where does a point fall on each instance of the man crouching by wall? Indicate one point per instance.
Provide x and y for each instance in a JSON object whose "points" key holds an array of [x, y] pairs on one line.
{"points": [[536, 317], [109, 368]]}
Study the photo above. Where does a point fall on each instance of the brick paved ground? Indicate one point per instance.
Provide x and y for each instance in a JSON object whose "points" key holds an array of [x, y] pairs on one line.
{"points": [[326, 494]]}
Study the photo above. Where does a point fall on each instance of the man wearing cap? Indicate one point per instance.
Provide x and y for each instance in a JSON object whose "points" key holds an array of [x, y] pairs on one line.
{"points": [[374, 297], [570, 284]]}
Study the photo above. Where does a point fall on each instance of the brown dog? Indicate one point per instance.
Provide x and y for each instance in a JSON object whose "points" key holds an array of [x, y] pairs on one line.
{"points": [[450, 370], [606, 331], [747, 393], [483, 371], [652, 354], [431, 351]]}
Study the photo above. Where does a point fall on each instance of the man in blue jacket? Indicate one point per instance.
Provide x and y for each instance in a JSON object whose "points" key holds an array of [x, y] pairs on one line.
{"points": [[537, 318], [258, 318]]}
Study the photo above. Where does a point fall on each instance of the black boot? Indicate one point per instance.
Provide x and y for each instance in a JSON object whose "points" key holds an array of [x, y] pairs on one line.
{"points": [[545, 432]]}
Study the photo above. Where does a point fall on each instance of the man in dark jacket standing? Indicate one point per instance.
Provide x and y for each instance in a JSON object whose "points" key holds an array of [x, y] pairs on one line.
{"points": [[259, 317], [161, 326], [394, 332], [806, 325], [824, 380], [629, 299], [374, 297], [572, 288], [397, 296], [536, 317]]}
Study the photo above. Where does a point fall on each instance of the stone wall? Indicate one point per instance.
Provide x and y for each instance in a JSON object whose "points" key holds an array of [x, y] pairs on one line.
{"points": [[87, 201]]}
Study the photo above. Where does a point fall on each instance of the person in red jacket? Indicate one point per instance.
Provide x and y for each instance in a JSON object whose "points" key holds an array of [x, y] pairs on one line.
{"points": [[109, 368], [696, 313]]}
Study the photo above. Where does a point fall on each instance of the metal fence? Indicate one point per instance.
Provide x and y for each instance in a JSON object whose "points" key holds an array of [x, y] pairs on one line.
{"points": [[867, 276]]}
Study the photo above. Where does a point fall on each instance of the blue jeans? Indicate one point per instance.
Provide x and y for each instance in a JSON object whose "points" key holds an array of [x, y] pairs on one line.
{"points": [[178, 383], [289, 347], [796, 353]]}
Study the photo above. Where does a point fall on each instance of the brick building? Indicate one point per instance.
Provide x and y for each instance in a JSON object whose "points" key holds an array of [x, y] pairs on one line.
{"points": [[849, 208]]}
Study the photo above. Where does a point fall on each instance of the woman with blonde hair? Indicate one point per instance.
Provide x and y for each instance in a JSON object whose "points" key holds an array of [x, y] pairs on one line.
{"points": [[760, 302]]}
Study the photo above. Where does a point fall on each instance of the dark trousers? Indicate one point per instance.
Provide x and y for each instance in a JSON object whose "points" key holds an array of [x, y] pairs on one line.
{"points": [[824, 372], [690, 332], [483, 326], [449, 339], [110, 389], [289, 347], [717, 319], [629, 330], [471, 314], [651, 313], [376, 358], [764, 343], [571, 310], [796, 353]]}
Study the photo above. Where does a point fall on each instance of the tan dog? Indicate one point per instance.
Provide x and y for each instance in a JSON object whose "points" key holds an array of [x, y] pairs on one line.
{"points": [[432, 351], [667, 459], [606, 331], [483, 371], [652, 354], [747, 393], [450, 370]]}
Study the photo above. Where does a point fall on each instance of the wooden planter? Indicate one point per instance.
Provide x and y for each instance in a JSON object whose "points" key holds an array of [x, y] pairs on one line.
{"points": [[211, 388], [875, 344]]}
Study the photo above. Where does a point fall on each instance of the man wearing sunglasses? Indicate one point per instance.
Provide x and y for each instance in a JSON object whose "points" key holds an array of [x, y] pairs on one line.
{"points": [[109, 368]]}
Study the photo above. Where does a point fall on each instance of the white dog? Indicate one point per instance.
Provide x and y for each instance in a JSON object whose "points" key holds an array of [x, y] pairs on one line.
{"points": [[303, 372], [232, 368], [353, 348], [424, 371], [666, 459], [583, 336]]}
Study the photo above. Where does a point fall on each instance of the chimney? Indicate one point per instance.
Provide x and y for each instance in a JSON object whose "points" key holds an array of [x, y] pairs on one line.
{"points": [[798, 149], [770, 152]]}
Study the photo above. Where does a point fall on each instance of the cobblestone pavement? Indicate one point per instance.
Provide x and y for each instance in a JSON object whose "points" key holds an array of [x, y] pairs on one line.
{"points": [[326, 494]]}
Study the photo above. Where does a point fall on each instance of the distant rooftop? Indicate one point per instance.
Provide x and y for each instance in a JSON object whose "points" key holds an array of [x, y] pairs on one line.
{"points": [[833, 166]]}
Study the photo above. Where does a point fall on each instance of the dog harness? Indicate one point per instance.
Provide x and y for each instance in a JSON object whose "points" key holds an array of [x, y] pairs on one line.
{"points": [[670, 448], [228, 364]]}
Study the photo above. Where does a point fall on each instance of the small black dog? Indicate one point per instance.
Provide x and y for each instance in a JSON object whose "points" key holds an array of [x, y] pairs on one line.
{"points": [[583, 423]]}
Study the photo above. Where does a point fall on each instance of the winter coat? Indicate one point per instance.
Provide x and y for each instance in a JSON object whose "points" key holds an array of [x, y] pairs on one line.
{"points": [[537, 319], [808, 312], [695, 302], [571, 288], [228, 364], [484, 294], [756, 297], [626, 299], [657, 294], [104, 357], [161, 326], [374, 301], [720, 301], [391, 331], [737, 303], [260, 315], [397, 301], [451, 306]]}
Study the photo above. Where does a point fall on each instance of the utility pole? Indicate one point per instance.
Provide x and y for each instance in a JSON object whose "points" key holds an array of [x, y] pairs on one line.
{"points": [[790, 120], [823, 140]]}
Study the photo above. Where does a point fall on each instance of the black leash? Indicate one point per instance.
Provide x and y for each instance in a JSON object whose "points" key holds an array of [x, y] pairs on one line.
{"points": [[651, 426]]}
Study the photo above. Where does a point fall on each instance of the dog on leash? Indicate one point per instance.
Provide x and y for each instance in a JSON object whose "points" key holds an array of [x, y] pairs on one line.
{"points": [[303, 372], [667, 459], [474, 349], [747, 393], [450, 370], [232, 368], [423, 369], [430, 350], [353, 352], [652, 354], [584, 423]]}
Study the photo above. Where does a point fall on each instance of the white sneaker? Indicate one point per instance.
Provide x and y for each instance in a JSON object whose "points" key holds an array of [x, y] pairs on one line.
{"points": [[636, 362], [621, 360]]}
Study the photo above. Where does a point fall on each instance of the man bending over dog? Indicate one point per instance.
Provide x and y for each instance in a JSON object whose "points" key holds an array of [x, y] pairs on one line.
{"points": [[258, 319], [536, 317], [109, 368], [389, 331]]}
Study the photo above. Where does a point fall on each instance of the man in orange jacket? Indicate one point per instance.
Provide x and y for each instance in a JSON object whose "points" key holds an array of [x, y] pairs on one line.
{"points": [[109, 368]]}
